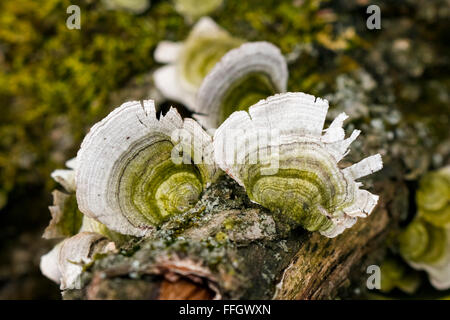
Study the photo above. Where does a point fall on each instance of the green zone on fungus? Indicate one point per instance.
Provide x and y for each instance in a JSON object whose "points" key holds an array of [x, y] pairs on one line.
{"points": [[425, 243], [433, 197], [395, 274]]}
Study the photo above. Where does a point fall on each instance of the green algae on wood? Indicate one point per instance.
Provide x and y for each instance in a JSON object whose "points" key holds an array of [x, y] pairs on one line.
{"points": [[66, 218]]}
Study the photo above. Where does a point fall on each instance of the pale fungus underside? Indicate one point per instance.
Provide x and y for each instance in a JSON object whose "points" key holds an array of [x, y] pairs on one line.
{"points": [[81, 238]]}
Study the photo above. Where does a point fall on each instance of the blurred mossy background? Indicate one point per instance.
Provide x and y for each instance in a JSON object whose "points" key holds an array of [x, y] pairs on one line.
{"points": [[56, 82]]}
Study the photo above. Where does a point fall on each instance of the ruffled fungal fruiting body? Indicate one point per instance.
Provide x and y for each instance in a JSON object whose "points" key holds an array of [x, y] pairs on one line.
{"points": [[84, 237], [278, 153], [64, 264], [242, 77], [190, 61], [66, 177], [66, 218], [192, 9], [135, 171], [425, 243], [427, 247], [433, 197], [396, 274]]}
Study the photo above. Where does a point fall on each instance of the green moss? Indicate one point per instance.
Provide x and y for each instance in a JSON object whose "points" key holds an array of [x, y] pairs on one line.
{"points": [[229, 223], [55, 82], [221, 237]]}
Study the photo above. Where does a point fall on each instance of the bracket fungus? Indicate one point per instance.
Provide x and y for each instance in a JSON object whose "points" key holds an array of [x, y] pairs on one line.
{"points": [[395, 274], [134, 171], [214, 74], [425, 243], [190, 61], [278, 153], [66, 218], [84, 237], [433, 197], [427, 247], [242, 77], [64, 263], [66, 177]]}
